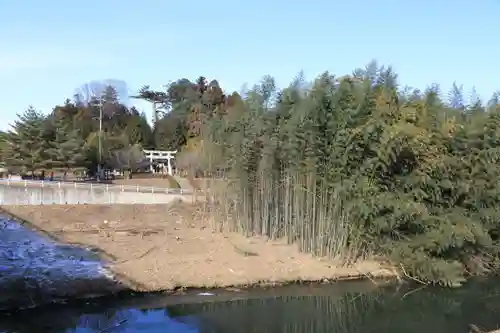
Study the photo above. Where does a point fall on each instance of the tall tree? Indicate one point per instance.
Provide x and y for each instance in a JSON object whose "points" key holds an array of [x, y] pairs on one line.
{"points": [[3, 147], [494, 101], [138, 131], [475, 103], [29, 143], [158, 99], [68, 149], [456, 97], [170, 132]]}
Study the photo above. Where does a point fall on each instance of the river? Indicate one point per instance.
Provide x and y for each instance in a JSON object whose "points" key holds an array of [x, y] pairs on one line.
{"points": [[348, 307], [34, 269], [343, 307]]}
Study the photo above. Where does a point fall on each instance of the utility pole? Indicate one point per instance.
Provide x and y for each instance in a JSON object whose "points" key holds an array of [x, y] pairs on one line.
{"points": [[99, 166]]}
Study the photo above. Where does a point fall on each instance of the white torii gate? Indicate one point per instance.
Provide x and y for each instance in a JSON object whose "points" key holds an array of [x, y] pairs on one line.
{"points": [[161, 155]]}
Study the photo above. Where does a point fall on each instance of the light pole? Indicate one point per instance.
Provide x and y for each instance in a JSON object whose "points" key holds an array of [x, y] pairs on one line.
{"points": [[99, 143], [100, 140]]}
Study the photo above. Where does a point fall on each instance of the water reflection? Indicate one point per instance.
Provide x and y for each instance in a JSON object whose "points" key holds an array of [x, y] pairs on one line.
{"points": [[378, 311], [34, 269], [124, 321]]}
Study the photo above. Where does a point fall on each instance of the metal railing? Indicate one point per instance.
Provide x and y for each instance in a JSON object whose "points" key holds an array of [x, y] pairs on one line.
{"points": [[30, 192], [92, 186]]}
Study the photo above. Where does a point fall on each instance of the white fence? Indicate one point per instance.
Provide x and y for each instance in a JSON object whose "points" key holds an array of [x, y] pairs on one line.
{"points": [[24, 192]]}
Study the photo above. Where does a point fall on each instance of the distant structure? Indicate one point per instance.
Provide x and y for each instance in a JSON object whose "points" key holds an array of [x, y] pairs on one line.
{"points": [[160, 158]]}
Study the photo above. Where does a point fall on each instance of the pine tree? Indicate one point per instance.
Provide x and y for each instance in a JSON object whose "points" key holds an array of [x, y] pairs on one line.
{"points": [[456, 97], [68, 148], [475, 104], [29, 143], [138, 131]]}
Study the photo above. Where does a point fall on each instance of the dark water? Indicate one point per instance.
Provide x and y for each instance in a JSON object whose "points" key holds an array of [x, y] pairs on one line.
{"points": [[345, 307], [35, 269]]}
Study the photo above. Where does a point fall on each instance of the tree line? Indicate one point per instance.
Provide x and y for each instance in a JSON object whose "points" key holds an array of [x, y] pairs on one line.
{"points": [[350, 167], [68, 137]]}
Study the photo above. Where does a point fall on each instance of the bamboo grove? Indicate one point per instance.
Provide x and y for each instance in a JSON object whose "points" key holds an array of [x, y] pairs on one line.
{"points": [[355, 167], [348, 167]]}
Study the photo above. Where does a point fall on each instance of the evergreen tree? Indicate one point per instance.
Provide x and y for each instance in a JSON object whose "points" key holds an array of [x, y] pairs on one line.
{"points": [[67, 147], [3, 147], [109, 95], [494, 101], [29, 143], [456, 97], [138, 131]]}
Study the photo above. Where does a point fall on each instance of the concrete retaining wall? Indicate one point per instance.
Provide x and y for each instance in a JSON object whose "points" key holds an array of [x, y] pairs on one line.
{"points": [[16, 195]]}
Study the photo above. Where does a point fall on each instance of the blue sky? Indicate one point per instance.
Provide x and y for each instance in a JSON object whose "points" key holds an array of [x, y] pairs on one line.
{"points": [[48, 48]]}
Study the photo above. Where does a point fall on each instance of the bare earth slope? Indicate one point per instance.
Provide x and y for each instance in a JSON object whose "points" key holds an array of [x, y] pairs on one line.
{"points": [[161, 247]]}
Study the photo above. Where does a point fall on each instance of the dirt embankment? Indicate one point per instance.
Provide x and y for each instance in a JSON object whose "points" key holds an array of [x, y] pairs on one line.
{"points": [[162, 247]]}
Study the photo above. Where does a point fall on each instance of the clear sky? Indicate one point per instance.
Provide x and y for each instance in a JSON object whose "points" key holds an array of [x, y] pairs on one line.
{"points": [[50, 47]]}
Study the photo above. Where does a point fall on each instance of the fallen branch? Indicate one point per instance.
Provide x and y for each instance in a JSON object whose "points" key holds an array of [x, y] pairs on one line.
{"points": [[412, 277], [107, 329], [154, 247]]}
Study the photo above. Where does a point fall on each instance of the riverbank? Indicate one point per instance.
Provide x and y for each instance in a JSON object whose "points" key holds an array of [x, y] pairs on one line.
{"points": [[165, 247]]}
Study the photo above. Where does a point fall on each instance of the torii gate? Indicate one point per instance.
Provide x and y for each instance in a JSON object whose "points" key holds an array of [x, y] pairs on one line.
{"points": [[161, 155]]}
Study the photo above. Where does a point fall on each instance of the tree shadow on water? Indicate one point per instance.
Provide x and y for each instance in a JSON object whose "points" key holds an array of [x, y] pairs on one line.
{"points": [[412, 309], [95, 317], [63, 320], [409, 309]]}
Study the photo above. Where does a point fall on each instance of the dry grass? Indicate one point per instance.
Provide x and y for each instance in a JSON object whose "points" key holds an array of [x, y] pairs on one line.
{"points": [[162, 247]]}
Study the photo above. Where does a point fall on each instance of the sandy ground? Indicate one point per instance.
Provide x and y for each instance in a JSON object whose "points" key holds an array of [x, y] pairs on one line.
{"points": [[163, 247]]}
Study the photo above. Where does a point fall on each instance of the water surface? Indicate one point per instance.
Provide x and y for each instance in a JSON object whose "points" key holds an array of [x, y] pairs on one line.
{"points": [[345, 307], [34, 269]]}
